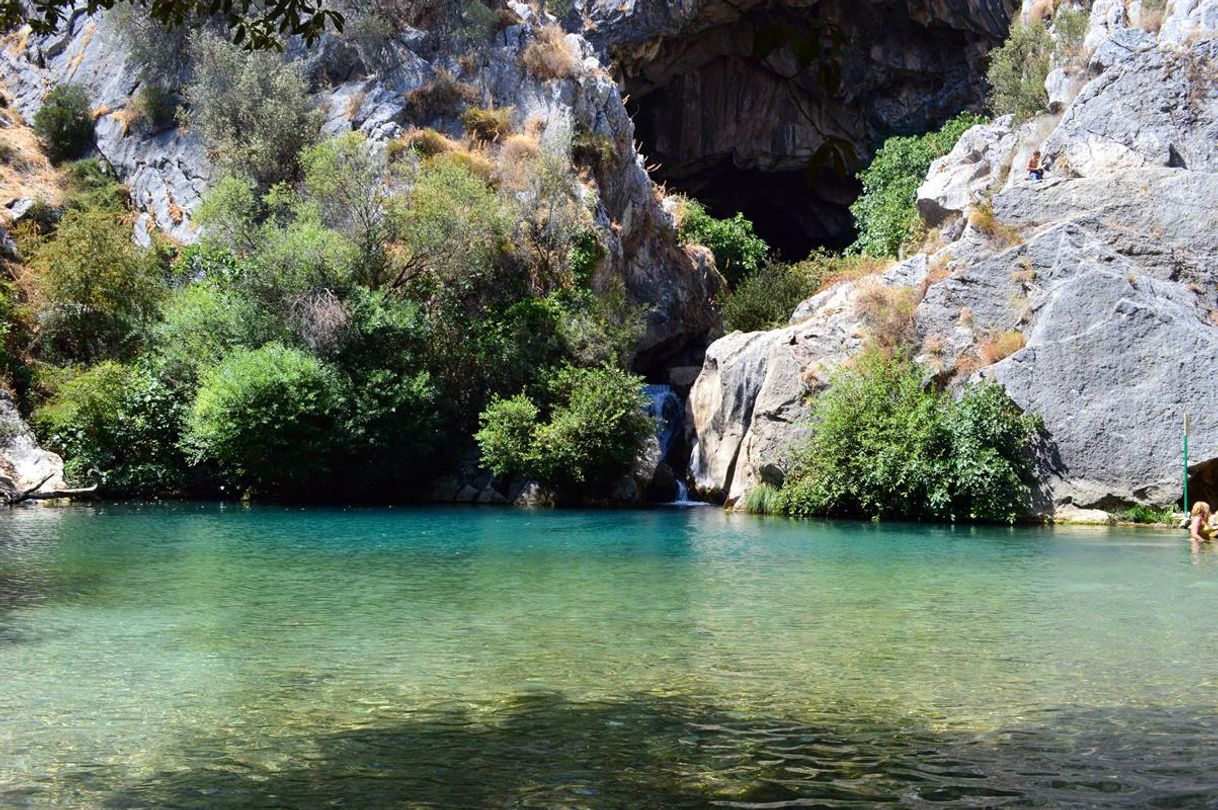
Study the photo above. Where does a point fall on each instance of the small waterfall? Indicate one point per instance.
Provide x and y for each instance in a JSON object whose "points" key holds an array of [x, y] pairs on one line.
{"points": [[668, 408]]}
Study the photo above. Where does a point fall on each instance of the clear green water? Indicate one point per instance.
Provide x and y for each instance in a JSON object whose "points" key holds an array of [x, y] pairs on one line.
{"points": [[200, 656]]}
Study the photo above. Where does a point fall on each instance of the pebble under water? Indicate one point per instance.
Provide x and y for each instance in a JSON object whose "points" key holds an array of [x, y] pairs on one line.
{"points": [[216, 656]]}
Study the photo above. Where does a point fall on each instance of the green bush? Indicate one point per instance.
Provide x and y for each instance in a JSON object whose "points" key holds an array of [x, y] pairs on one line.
{"points": [[156, 107], [252, 109], [765, 299], [92, 185], [122, 422], [762, 499], [884, 445], [1018, 69], [738, 251], [1148, 514], [886, 212], [64, 122], [268, 418], [596, 430], [201, 324], [98, 291]]}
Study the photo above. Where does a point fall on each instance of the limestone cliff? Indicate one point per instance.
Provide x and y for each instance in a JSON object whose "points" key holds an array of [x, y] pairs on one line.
{"points": [[1102, 276]]}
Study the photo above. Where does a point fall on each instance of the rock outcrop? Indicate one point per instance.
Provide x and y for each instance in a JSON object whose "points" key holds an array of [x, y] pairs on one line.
{"points": [[24, 466], [1099, 280]]}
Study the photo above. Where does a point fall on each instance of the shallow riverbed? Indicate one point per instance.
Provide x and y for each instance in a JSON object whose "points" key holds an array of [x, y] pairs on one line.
{"points": [[215, 656]]}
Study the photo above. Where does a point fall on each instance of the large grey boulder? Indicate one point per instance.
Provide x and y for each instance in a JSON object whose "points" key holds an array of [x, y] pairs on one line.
{"points": [[979, 160], [1151, 108], [23, 464], [1113, 362]]}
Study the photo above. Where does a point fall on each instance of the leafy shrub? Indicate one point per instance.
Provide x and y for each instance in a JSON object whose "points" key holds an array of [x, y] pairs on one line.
{"points": [[98, 291], [122, 422], [762, 499], [887, 314], [595, 431], [738, 251], [1069, 31], [1147, 514], [252, 109], [487, 123], [886, 211], [156, 107], [93, 185], [591, 149], [549, 56], [64, 122], [765, 299], [267, 417], [201, 324], [1018, 69], [883, 445]]}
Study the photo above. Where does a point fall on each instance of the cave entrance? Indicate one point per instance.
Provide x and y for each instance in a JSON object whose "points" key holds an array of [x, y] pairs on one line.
{"points": [[1203, 483], [771, 109]]}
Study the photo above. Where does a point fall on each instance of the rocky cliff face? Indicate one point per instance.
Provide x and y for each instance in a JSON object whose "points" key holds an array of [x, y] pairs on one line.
{"points": [[1103, 273]]}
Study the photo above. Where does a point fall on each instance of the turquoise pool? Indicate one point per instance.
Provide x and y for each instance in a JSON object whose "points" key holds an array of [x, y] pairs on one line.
{"points": [[216, 656]]}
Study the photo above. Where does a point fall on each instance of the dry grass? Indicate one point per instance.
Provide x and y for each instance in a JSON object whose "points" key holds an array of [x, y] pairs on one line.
{"points": [[355, 102], [999, 346], [1214, 317], [549, 56], [852, 268], [425, 142], [516, 157], [476, 163], [887, 314], [939, 269], [128, 117], [966, 316], [1150, 15], [967, 365], [26, 172], [981, 218], [1026, 273], [98, 112], [488, 124]]}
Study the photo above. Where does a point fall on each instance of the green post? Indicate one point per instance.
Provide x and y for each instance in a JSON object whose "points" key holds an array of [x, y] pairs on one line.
{"points": [[1186, 464]]}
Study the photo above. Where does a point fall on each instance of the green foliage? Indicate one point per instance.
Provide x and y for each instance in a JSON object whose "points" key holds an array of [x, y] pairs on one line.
{"points": [[738, 251], [884, 445], [156, 107], [268, 418], [200, 325], [1148, 514], [121, 421], [886, 213], [98, 291], [762, 499], [1069, 31], [64, 122], [92, 185], [1018, 69], [595, 431], [765, 299], [253, 110], [255, 25], [488, 124]]}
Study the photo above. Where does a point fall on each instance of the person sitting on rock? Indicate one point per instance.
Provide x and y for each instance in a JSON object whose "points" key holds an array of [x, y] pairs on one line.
{"points": [[1035, 170], [1199, 529]]}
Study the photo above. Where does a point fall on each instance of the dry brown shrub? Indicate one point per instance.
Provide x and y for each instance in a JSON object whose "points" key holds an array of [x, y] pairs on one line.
{"points": [[354, 103], [966, 316], [319, 318], [850, 268], [1214, 317], [516, 157], [940, 268], [999, 346], [887, 314], [549, 56], [443, 95], [967, 365], [1026, 273], [488, 124], [425, 142], [981, 218]]}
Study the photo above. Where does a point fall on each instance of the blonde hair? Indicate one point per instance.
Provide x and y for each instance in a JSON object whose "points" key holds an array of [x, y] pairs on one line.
{"points": [[1201, 508]]}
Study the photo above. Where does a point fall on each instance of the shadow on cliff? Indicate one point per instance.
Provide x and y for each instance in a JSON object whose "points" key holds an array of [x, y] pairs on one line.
{"points": [[545, 751]]}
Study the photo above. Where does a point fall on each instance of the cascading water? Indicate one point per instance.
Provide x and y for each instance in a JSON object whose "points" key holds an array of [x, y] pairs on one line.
{"points": [[669, 409]]}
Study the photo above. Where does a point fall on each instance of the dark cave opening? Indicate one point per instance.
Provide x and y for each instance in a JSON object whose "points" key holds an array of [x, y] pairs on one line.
{"points": [[772, 113]]}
